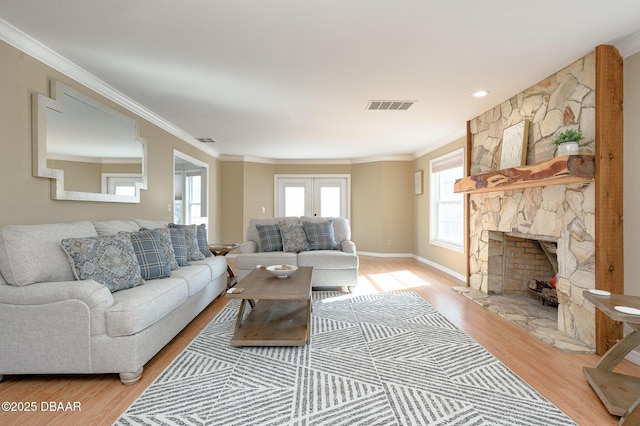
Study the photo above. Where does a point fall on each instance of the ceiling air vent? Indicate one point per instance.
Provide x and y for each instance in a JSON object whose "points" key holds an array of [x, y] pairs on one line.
{"points": [[390, 105], [207, 140]]}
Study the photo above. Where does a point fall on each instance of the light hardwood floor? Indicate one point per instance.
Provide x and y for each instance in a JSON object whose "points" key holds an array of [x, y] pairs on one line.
{"points": [[556, 375]]}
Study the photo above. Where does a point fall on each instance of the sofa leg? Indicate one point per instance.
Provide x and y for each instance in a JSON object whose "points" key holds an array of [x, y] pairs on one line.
{"points": [[131, 378], [0, 377]]}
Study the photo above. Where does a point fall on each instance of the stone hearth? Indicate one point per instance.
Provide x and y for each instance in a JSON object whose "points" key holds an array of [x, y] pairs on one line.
{"points": [[529, 314]]}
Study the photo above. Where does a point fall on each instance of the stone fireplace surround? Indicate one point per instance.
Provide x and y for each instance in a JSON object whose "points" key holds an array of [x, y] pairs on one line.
{"points": [[562, 212]]}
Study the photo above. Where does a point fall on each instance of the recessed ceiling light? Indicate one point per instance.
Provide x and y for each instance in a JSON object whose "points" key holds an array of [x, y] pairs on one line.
{"points": [[480, 93]]}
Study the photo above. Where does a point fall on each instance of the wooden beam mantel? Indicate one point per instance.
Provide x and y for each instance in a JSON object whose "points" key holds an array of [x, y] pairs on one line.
{"points": [[566, 170]]}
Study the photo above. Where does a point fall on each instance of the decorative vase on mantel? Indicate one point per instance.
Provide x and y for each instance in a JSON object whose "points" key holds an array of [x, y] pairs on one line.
{"points": [[567, 142], [568, 148]]}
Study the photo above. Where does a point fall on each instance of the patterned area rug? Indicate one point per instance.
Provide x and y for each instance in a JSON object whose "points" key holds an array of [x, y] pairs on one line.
{"points": [[379, 359]]}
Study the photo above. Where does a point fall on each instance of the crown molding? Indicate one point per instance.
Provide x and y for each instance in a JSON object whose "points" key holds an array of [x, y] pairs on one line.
{"points": [[32, 47], [629, 45], [315, 161], [382, 158]]}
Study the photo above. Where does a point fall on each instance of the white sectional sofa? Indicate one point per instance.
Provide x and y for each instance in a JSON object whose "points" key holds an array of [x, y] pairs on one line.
{"points": [[335, 266], [53, 323]]}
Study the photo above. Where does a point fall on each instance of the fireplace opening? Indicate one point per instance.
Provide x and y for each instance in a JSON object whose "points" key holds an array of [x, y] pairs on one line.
{"points": [[523, 266]]}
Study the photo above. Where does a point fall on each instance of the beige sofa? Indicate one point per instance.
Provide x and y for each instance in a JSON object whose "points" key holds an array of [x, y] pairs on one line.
{"points": [[331, 268], [55, 324]]}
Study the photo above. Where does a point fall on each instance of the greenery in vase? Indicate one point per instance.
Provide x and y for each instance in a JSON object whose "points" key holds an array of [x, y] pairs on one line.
{"points": [[568, 136]]}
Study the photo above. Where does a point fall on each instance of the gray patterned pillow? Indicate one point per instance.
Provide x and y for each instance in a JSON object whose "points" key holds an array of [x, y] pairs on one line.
{"points": [[166, 246], [270, 237], [320, 235], [109, 260], [294, 239], [191, 235], [203, 244], [179, 243], [148, 250]]}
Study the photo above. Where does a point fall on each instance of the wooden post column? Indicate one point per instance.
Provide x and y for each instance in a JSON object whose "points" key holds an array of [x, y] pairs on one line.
{"points": [[609, 185]]}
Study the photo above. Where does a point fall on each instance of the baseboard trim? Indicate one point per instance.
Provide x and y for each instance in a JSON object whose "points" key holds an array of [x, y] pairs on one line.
{"points": [[374, 254], [444, 269]]}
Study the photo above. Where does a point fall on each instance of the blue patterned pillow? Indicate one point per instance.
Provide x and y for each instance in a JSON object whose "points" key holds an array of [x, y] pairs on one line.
{"points": [[320, 235], [109, 260], [294, 239], [203, 244], [166, 246], [270, 237], [148, 250], [179, 242], [191, 236]]}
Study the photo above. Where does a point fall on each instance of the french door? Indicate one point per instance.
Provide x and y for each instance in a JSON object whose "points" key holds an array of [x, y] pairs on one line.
{"points": [[312, 195]]}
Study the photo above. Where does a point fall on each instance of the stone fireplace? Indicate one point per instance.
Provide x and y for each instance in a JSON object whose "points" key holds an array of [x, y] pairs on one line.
{"points": [[564, 214], [560, 212]]}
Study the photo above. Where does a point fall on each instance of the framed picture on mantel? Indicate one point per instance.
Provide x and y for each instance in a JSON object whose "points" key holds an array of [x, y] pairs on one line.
{"points": [[514, 145]]}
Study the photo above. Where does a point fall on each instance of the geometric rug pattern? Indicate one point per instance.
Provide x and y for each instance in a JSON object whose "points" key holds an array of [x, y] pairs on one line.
{"points": [[376, 359]]}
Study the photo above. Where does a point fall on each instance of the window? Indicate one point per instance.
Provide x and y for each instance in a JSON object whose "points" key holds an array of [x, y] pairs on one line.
{"points": [[120, 183], [447, 208], [189, 190], [193, 204]]}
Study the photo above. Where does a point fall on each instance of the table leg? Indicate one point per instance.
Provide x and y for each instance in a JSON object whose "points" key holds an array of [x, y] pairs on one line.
{"points": [[618, 351], [243, 303], [309, 321]]}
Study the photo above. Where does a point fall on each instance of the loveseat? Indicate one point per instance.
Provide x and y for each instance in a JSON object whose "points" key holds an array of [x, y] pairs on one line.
{"points": [[323, 243], [55, 320]]}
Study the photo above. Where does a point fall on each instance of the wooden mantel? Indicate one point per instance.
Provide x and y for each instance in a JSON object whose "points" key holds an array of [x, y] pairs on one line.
{"points": [[566, 170]]}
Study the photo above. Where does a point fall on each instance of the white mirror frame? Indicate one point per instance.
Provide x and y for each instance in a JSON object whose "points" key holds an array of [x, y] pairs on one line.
{"points": [[40, 104]]}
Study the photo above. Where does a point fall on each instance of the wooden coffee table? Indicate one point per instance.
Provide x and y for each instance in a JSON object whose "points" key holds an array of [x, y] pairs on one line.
{"points": [[280, 309]]}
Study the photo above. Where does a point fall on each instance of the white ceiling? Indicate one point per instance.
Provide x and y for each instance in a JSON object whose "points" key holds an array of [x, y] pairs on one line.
{"points": [[291, 79]]}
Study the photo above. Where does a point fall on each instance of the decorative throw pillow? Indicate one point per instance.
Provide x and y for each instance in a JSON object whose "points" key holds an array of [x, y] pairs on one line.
{"points": [[153, 263], [166, 247], [270, 237], [320, 235], [191, 235], [203, 244], [294, 239], [179, 242], [109, 260]]}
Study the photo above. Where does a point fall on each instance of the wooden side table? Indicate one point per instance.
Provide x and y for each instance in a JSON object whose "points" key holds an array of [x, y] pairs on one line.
{"points": [[223, 250], [620, 393]]}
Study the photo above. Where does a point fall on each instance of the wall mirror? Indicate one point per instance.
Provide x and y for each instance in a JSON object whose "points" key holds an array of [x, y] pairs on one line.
{"points": [[190, 189], [90, 151]]}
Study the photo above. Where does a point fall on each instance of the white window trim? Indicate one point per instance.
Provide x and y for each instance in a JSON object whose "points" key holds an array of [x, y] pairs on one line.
{"points": [[432, 204], [204, 185]]}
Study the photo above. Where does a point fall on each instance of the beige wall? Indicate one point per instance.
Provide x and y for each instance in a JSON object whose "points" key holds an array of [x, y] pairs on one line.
{"points": [[382, 206], [450, 259], [631, 174], [381, 200], [27, 199]]}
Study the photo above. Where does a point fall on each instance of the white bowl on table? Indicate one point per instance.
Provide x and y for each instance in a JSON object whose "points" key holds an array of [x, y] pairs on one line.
{"points": [[282, 271]]}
